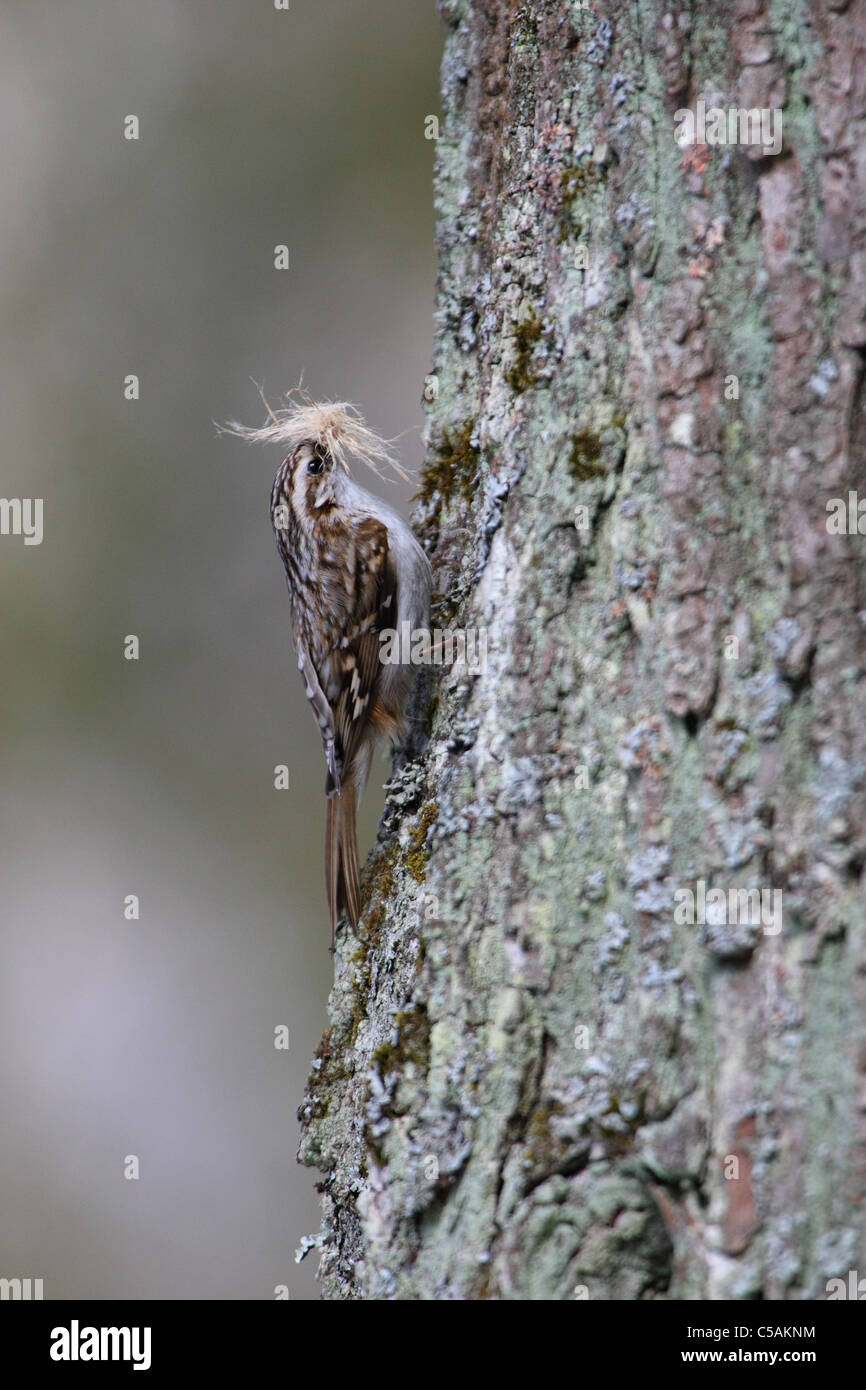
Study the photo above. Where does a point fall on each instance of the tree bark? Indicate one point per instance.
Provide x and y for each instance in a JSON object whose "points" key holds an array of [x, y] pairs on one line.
{"points": [[541, 1081]]}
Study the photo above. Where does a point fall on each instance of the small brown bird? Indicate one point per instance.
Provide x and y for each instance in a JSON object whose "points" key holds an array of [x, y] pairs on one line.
{"points": [[354, 570]]}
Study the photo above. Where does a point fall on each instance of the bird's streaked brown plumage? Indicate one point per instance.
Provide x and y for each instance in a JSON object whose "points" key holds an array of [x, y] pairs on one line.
{"points": [[353, 569]]}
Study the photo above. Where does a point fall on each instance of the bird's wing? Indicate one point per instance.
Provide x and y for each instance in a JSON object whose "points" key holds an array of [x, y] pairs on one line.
{"points": [[359, 651], [323, 712], [343, 679]]}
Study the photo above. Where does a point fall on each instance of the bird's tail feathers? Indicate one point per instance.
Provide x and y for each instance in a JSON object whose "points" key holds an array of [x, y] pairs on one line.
{"points": [[341, 858]]}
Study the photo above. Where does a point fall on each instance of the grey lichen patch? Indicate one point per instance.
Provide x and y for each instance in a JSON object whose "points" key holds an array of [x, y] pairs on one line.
{"points": [[323, 1074]]}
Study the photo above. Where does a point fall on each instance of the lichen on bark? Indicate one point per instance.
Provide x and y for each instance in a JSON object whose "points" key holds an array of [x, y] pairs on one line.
{"points": [[537, 1082]]}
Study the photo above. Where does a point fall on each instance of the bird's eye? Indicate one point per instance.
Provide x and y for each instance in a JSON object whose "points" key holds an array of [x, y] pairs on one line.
{"points": [[316, 464]]}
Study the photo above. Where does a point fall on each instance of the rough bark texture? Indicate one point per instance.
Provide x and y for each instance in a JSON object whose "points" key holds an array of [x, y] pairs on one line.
{"points": [[538, 1083]]}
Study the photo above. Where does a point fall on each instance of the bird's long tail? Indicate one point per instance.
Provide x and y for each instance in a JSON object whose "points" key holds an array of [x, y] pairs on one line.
{"points": [[341, 858]]}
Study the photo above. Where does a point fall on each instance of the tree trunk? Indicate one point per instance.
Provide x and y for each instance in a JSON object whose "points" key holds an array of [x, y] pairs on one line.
{"points": [[559, 1065]]}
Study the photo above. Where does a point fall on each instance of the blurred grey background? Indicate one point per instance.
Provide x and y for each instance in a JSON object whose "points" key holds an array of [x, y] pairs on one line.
{"points": [[155, 1037]]}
